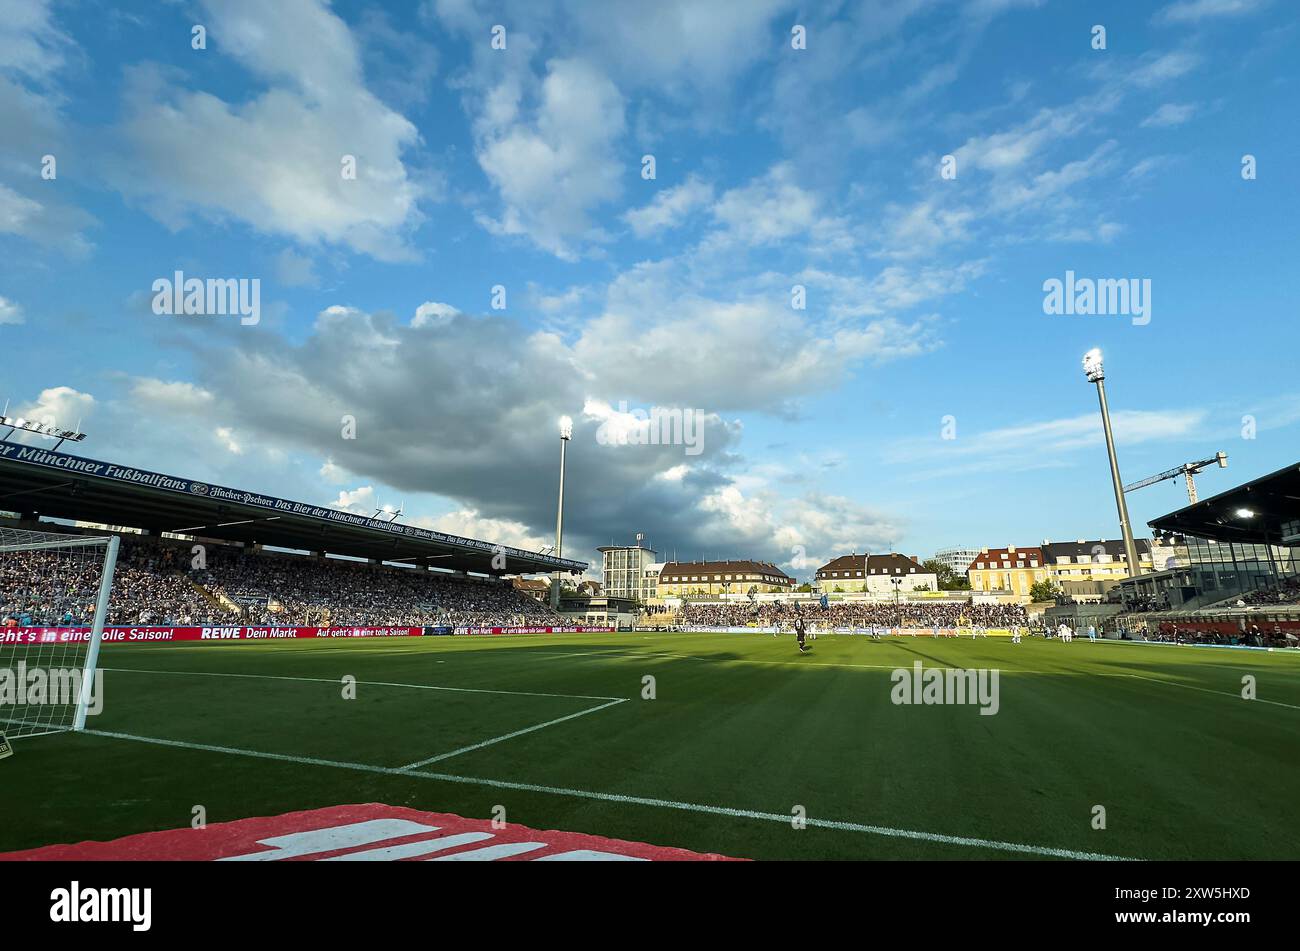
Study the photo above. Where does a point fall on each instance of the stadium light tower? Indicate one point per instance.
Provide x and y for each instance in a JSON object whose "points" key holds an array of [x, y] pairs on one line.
{"points": [[566, 433], [1095, 371]]}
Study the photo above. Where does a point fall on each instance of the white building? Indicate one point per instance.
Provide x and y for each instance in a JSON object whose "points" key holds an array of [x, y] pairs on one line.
{"points": [[958, 559], [625, 571], [875, 574]]}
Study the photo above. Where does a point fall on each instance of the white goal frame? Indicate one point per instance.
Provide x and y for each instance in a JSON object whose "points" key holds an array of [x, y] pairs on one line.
{"points": [[111, 544]]}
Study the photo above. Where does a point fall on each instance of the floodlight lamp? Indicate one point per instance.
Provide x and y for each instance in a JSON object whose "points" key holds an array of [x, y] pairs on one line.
{"points": [[1092, 366], [566, 427], [1244, 513]]}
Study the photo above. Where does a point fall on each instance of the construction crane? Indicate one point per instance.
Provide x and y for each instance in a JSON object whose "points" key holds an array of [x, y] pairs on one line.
{"points": [[1187, 470]]}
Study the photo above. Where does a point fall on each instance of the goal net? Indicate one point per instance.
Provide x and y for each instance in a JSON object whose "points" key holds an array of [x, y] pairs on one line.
{"points": [[54, 595]]}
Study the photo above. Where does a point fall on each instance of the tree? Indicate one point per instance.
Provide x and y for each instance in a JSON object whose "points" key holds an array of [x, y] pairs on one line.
{"points": [[949, 580], [1043, 590]]}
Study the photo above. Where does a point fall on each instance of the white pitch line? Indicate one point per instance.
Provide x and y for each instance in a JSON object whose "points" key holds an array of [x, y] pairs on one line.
{"points": [[508, 736], [364, 683], [1221, 693], [837, 825]]}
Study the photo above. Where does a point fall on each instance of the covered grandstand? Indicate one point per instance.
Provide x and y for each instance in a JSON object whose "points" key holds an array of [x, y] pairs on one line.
{"points": [[1238, 565], [38, 483]]}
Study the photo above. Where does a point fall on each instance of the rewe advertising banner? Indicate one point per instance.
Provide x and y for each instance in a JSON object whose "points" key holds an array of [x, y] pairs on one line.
{"points": [[137, 635]]}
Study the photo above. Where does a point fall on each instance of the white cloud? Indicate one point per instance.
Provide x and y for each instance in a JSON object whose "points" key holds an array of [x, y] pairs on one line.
{"points": [[358, 501], [1042, 443], [1158, 69], [1147, 166], [433, 314], [295, 270], [175, 396], [1170, 114], [773, 208], [332, 473], [275, 161], [468, 523], [31, 46], [57, 405], [554, 168], [10, 312], [226, 437], [669, 208], [1193, 11]]}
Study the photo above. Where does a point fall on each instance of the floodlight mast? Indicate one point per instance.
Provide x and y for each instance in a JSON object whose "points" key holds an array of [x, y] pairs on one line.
{"points": [[566, 433], [1094, 370], [49, 429]]}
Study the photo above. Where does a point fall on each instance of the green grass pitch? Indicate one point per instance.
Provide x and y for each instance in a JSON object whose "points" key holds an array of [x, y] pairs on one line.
{"points": [[742, 732]]}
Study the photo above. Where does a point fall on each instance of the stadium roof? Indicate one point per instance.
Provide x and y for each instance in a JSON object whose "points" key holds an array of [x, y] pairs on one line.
{"points": [[59, 485], [1273, 504]]}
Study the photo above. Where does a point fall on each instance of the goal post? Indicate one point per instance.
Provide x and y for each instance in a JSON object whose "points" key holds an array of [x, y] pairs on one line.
{"points": [[55, 592]]}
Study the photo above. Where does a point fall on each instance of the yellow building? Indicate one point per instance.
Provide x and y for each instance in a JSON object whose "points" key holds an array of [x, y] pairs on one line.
{"points": [[1070, 563], [1009, 570], [678, 578]]}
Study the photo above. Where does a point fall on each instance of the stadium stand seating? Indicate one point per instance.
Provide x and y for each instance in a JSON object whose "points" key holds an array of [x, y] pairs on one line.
{"points": [[854, 614], [155, 585], [1288, 592]]}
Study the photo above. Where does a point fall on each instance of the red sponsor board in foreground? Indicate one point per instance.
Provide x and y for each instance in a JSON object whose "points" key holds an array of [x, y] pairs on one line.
{"points": [[136, 635], [363, 833]]}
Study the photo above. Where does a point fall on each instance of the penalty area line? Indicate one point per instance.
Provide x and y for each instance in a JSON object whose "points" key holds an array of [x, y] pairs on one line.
{"points": [[508, 736], [702, 808], [363, 683]]}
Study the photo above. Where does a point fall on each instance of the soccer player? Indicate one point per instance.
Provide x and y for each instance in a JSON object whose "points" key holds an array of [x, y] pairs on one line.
{"points": [[1092, 633], [800, 633]]}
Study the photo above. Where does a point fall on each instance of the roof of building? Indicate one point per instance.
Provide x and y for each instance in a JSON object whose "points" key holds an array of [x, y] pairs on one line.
{"points": [[674, 571], [1113, 547], [1273, 502], [892, 563], [1011, 554]]}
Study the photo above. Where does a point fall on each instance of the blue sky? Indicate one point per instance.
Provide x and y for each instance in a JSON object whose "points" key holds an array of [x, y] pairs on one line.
{"points": [[823, 427]]}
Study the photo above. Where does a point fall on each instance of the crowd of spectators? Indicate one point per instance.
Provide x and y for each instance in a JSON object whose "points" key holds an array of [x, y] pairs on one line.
{"points": [[1253, 636], [861, 614], [1142, 604], [161, 583], [1288, 592]]}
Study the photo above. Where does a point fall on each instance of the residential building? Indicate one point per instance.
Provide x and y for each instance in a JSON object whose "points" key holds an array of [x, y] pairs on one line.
{"points": [[1010, 570], [678, 578], [875, 574]]}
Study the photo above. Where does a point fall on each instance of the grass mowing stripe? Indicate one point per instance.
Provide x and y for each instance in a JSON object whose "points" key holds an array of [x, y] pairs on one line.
{"points": [[509, 736], [364, 683], [968, 841], [1221, 693]]}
